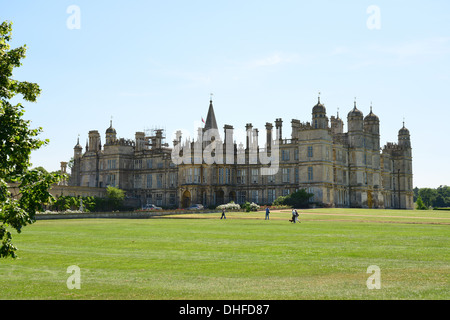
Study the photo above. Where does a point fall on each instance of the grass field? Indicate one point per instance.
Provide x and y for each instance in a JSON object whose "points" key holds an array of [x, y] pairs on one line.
{"points": [[199, 256]]}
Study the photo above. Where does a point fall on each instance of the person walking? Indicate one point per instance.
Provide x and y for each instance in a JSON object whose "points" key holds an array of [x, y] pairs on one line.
{"points": [[223, 214], [267, 213], [296, 216], [293, 216]]}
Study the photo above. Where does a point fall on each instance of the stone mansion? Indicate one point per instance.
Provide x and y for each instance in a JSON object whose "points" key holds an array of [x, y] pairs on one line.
{"points": [[341, 169]]}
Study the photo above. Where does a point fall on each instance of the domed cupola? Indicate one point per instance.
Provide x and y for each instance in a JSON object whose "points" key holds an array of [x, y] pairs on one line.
{"points": [[403, 131], [404, 138], [355, 113], [319, 116], [110, 134], [111, 129], [372, 117], [355, 119], [372, 122], [319, 108]]}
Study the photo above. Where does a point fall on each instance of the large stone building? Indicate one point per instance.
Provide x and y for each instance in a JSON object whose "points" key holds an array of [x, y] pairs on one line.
{"points": [[341, 169]]}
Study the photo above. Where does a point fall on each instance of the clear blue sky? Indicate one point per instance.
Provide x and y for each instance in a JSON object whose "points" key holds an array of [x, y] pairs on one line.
{"points": [[154, 64]]}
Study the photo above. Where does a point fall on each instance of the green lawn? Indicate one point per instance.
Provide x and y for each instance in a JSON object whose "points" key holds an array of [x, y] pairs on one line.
{"points": [[199, 256]]}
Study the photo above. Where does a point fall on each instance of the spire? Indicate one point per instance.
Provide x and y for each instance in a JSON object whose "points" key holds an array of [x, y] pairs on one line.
{"points": [[210, 122], [78, 146]]}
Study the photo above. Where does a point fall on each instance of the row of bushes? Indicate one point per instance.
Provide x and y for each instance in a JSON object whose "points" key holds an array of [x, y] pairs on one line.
{"points": [[247, 206], [112, 202], [298, 199]]}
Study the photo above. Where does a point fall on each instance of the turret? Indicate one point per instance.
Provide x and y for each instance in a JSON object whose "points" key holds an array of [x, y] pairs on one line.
{"points": [[372, 126], [77, 150], [404, 139], [337, 125], [355, 120], [372, 123], [319, 116], [110, 134]]}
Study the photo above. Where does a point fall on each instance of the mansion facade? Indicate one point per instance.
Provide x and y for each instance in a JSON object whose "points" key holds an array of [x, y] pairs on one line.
{"points": [[341, 169]]}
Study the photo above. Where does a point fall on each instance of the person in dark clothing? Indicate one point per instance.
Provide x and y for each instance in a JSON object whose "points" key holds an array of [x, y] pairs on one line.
{"points": [[296, 216], [223, 214]]}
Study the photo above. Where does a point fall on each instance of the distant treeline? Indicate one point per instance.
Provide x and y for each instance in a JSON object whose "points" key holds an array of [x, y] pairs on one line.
{"points": [[436, 198]]}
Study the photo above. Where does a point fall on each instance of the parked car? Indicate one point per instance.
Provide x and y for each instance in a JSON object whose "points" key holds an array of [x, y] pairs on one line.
{"points": [[151, 207], [196, 207]]}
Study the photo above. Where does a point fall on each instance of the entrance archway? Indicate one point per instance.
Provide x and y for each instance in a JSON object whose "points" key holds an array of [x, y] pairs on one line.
{"points": [[232, 196], [220, 197], [186, 199]]}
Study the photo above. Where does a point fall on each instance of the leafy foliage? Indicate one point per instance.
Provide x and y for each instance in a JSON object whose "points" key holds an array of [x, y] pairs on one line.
{"points": [[113, 201], [115, 196], [420, 204], [298, 199], [247, 206], [17, 141], [229, 206], [437, 198]]}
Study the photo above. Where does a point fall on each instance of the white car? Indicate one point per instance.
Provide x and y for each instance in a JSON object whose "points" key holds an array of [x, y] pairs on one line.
{"points": [[196, 207], [151, 207]]}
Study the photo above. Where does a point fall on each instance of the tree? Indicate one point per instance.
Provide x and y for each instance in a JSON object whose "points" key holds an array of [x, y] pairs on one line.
{"points": [[428, 196], [443, 197], [115, 197], [17, 141], [420, 204]]}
